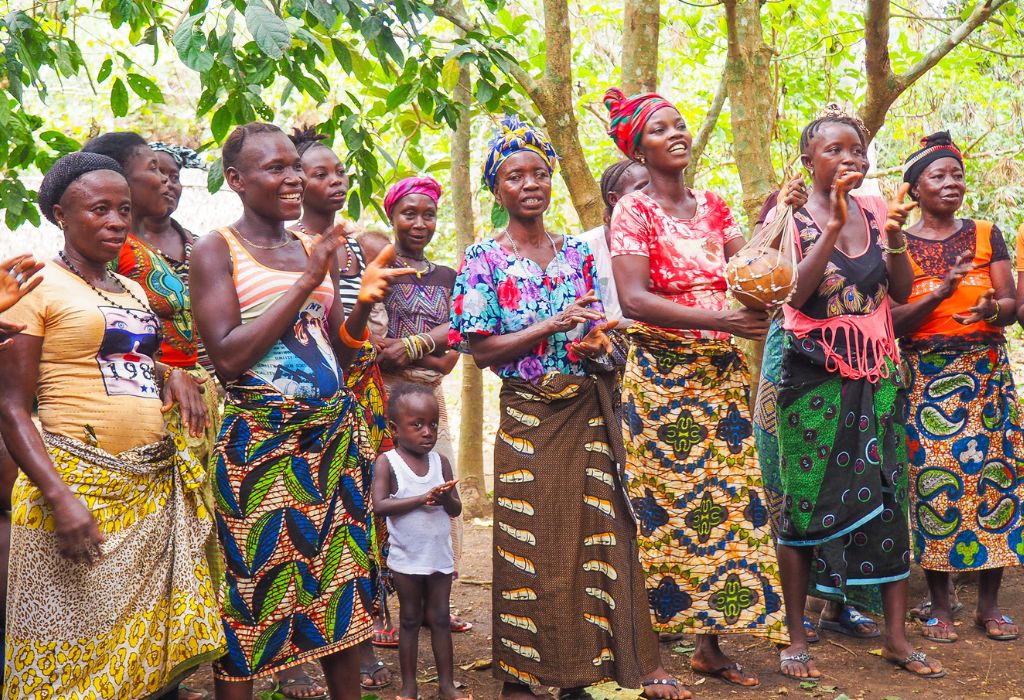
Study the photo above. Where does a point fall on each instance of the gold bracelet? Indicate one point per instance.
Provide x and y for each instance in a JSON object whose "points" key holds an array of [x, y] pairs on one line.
{"points": [[167, 374], [899, 250], [991, 320], [351, 342]]}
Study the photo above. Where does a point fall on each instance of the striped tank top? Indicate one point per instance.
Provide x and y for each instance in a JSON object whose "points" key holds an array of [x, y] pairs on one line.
{"points": [[348, 287], [301, 364]]}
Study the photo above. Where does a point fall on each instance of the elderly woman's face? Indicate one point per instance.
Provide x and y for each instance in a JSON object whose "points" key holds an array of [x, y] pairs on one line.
{"points": [[941, 187], [524, 185], [96, 212]]}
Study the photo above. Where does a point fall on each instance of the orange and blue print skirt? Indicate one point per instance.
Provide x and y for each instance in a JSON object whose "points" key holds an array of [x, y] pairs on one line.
{"points": [[966, 452], [292, 518], [706, 545]]}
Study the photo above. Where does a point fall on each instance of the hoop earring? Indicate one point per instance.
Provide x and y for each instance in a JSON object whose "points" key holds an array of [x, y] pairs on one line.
{"points": [[60, 224]]}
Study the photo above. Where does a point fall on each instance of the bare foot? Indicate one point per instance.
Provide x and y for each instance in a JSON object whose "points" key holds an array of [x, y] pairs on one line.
{"points": [[661, 685], [795, 662]]}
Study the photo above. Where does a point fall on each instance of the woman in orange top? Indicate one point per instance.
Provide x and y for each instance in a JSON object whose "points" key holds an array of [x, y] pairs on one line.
{"points": [[965, 444]]}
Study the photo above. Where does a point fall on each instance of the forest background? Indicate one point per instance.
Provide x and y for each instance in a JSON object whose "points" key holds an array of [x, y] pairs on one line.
{"points": [[403, 87]]}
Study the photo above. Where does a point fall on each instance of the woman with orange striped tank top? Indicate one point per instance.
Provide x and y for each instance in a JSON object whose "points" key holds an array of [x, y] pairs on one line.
{"points": [[964, 438], [292, 454]]}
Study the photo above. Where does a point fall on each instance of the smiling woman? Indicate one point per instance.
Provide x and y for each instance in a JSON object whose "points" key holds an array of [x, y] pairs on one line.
{"points": [[267, 306]]}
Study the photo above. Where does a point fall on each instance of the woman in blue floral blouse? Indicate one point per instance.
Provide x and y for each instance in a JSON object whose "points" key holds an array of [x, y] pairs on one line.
{"points": [[569, 608]]}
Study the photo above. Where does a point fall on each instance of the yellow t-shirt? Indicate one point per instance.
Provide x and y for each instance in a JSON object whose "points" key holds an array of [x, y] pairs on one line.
{"points": [[97, 365]]}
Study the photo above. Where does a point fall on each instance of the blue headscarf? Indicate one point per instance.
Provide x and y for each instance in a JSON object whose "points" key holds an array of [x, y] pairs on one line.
{"points": [[513, 136], [185, 157]]}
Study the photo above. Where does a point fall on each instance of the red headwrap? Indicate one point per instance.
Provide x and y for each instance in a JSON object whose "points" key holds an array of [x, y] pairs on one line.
{"points": [[411, 185], [629, 116]]}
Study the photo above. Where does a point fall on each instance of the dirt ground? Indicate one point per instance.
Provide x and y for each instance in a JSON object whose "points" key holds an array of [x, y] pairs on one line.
{"points": [[978, 668]]}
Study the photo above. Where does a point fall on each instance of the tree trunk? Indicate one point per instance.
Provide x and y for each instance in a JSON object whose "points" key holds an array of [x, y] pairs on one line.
{"points": [[748, 81], [641, 21], [472, 487], [553, 97]]}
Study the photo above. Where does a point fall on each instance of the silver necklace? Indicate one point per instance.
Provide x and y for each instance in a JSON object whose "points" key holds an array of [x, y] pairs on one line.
{"points": [[515, 248]]}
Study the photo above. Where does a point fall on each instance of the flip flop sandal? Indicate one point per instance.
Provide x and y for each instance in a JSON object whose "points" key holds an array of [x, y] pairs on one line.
{"points": [[658, 681], [809, 630], [802, 658], [372, 670], [720, 674], [283, 686], [1002, 620], [848, 621], [923, 611], [386, 639], [459, 625], [942, 625], [189, 689], [920, 658]]}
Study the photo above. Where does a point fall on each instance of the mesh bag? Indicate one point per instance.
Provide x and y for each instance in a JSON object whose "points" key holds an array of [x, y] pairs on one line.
{"points": [[762, 274]]}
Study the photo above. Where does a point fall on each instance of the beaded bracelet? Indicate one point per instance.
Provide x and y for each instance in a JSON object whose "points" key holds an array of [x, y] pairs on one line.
{"points": [[351, 342], [900, 250], [167, 374]]}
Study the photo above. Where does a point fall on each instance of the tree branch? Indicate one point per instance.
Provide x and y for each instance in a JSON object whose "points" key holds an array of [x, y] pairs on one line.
{"points": [[883, 85], [700, 141]]}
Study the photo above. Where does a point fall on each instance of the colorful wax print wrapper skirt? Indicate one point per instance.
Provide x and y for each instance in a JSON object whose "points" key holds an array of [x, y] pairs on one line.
{"points": [[141, 617], [705, 541], [568, 602], [293, 521], [843, 468], [766, 435], [966, 452]]}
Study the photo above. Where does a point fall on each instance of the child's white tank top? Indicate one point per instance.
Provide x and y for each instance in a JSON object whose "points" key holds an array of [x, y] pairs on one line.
{"points": [[420, 541]]}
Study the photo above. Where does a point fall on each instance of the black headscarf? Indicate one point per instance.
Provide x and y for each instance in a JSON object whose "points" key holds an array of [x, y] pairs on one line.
{"points": [[938, 145], [65, 171]]}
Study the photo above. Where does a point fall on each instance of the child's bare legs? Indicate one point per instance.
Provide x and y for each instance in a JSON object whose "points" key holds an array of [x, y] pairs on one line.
{"points": [[425, 598], [439, 589]]}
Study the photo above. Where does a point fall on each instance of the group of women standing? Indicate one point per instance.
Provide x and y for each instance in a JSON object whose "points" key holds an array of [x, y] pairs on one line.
{"points": [[251, 543], [674, 522], [635, 493]]}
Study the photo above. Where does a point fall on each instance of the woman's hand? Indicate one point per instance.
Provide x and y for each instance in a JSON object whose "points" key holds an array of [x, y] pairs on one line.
{"points": [[7, 332], [394, 355], [78, 535], [378, 275], [187, 391], [323, 255], [576, 313], [596, 342], [844, 182], [899, 210], [746, 323], [963, 264], [985, 307], [17, 278], [793, 193]]}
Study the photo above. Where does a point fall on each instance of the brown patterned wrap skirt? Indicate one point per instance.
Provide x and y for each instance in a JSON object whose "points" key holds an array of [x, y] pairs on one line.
{"points": [[569, 604]]}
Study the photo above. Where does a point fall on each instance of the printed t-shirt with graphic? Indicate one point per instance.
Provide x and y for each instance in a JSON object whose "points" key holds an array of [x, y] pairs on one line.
{"points": [[97, 379]]}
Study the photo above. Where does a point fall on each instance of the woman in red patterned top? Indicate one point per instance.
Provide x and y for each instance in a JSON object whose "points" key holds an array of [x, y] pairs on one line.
{"points": [[705, 544]]}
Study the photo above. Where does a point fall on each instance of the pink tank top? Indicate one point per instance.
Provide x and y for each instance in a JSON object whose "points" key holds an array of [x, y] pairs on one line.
{"points": [[301, 363]]}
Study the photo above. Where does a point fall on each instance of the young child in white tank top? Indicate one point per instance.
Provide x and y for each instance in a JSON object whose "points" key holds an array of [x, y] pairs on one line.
{"points": [[414, 489]]}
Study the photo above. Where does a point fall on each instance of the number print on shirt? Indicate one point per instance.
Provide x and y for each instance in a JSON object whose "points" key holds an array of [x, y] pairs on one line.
{"points": [[126, 354]]}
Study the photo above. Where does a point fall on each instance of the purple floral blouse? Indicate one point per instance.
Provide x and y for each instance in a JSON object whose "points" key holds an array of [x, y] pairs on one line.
{"points": [[498, 293]]}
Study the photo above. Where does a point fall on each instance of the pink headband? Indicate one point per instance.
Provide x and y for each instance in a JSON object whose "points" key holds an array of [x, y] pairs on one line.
{"points": [[411, 185]]}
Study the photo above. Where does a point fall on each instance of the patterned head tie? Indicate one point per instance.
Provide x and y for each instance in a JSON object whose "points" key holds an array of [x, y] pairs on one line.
{"points": [[411, 185], [938, 145], [63, 174], [511, 137], [628, 117], [185, 157]]}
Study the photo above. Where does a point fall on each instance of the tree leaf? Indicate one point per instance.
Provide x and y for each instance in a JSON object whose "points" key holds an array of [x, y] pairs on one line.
{"points": [[190, 43], [450, 75], [268, 30], [145, 88], [119, 98], [220, 123], [104, 71], [215, 177]]}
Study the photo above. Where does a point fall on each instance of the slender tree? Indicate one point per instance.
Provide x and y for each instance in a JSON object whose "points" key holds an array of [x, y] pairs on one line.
{"points": [[641, 22]]}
